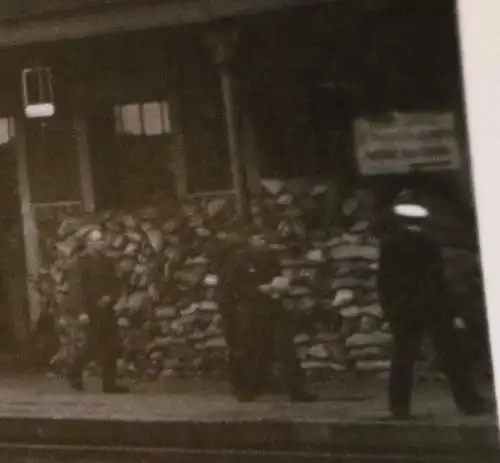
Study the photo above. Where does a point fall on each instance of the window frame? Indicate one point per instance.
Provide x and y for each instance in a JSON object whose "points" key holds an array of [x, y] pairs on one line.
{"points": [[165, 117]]}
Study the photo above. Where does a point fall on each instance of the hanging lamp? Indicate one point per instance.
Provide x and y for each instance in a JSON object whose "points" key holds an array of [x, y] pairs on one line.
{"points": [[38, 94]]}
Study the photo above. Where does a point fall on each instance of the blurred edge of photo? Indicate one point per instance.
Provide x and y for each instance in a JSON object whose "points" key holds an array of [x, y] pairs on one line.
{"points": [[478, 26]]}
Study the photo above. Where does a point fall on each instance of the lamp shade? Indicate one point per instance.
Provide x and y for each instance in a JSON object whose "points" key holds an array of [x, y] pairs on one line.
{"points": [[39, 111]]}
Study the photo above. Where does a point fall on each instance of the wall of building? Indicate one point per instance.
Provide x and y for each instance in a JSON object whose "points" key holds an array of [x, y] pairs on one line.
{"points": [[298, 92], [304, 90]]}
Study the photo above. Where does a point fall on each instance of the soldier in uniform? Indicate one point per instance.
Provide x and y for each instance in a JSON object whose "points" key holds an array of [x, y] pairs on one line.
{"points": [[257, 328], [416, 301], [101, 286]]}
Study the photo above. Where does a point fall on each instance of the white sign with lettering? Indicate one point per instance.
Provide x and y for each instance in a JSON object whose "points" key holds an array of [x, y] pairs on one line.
{"points": [[406, 142]]}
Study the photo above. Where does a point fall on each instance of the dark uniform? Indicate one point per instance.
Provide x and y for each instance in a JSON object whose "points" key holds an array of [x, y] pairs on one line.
{"points": [[257, 328], [99, 278], [415, 300]]}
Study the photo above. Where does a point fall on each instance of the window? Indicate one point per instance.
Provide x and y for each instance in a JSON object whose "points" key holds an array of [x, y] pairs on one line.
{"points": [[50, 150], [7, 130], [143, 119], [9, 202], [130, 143]]}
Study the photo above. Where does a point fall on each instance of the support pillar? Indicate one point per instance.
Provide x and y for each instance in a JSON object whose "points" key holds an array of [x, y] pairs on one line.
{"points": [[83, 152], [223, 43], [30, 234]]}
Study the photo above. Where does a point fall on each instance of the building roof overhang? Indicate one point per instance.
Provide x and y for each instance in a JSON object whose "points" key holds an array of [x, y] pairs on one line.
{"points": [[89, 18]]}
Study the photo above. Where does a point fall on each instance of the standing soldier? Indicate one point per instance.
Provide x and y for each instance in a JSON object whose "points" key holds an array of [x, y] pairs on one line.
{"points": [[257, 328], [415, 300], [100, 287]]}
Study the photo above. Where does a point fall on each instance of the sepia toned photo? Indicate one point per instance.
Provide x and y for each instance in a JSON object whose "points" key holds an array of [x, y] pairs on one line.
{"points": [[239, 230]]}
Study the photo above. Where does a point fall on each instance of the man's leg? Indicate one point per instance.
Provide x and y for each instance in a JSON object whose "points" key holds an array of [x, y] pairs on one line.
{"points": [[256, 353], [109, 350], [456, 365], [236, 331], [109, 373], [292, 369], [263, 350], [242, 367], [405, 349], [75, 372]]}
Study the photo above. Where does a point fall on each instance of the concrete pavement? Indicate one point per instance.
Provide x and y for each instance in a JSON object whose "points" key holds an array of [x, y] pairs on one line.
{"points": [[348, 400], [202, 414]]}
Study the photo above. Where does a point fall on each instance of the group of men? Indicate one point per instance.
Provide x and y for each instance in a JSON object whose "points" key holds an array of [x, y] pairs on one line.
{"points": [[413, 294]]}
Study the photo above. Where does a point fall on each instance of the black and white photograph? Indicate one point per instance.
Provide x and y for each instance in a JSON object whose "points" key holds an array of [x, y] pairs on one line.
{"points": [[243, 231]]}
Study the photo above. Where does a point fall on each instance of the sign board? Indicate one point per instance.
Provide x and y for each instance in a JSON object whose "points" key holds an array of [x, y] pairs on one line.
{"points": [[406, 142]]}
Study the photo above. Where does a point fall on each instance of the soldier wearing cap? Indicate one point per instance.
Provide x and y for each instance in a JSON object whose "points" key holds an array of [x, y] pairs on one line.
{"points": [[415, 299], [101, 286], [257, 328]]}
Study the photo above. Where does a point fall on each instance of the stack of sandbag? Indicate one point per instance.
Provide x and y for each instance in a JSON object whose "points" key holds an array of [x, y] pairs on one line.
{"points": [[168, 319], [354, 263], [301, 215], [169, 315], [332, 270]]}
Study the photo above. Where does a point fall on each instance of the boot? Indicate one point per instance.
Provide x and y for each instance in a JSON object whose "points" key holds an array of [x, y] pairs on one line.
{"points": [[303, 395], [398, 416], [244, 396], [109, 373], [75, 378], [114, 389], [76, 383]]}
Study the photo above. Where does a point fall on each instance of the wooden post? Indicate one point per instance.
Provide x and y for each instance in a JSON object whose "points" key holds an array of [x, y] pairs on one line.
{"points": [[223, 43], [178, 151], [30, 232], [83, 152]]}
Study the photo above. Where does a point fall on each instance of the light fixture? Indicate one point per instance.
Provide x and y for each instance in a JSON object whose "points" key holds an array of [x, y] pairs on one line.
{"points": [[38, 95]]}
